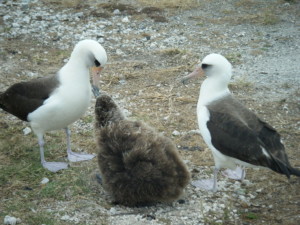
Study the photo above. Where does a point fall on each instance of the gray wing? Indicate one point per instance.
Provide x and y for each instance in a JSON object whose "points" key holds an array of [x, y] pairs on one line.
{"points": [[23, 98], [239, 133]]}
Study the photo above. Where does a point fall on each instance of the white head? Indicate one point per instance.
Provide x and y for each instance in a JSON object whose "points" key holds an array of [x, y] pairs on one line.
{"points": [[91, 52], [217, 69], [216, 66]]}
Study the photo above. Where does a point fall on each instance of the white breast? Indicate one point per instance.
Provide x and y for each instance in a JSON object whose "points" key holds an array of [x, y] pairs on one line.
{"points": [[67, 104]]}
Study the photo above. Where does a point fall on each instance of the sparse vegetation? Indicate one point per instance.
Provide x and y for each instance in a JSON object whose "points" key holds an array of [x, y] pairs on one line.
{"points": [[251, 216], [256, 52], [178, 4], [234, 57], [171, 52], [152, 92], [269, 18], [241, 83]]}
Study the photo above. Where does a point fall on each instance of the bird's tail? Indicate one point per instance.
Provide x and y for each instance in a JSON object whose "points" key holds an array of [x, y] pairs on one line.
{"points": [[285, 168], [2, 106]]}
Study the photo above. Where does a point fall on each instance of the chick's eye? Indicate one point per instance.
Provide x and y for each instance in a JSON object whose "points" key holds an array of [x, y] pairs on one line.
{"points": [[97, 64], [204, 66]]}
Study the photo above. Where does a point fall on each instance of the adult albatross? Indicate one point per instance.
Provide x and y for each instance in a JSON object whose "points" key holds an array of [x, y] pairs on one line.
{"points": [[235, 135], [54, 102]]}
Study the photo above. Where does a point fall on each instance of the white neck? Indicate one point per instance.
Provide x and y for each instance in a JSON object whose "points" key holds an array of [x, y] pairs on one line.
{"points": [[211, 89], [75, 71]]}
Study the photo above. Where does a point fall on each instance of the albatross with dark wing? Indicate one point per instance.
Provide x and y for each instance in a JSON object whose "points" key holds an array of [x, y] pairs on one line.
{"points": [[54, 102], [235, 135]]}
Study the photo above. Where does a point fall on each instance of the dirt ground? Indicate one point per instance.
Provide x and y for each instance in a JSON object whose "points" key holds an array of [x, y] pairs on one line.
{"points": [[150, 46]]}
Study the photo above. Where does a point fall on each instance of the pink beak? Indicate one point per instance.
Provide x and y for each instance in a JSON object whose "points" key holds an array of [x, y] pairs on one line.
{"points": [[196, 73], [96, 75]]}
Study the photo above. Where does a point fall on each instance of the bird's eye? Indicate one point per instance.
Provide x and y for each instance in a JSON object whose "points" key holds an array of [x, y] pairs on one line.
{"points": [[204, 66], [97, 64]]}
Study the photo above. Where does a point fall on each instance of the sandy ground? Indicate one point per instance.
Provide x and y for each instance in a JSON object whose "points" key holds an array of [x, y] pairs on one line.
{"points": [[149, 50]]}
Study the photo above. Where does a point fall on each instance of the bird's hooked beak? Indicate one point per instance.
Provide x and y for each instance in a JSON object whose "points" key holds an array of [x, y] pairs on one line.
{"points": [[196, 73], [95, 77]]}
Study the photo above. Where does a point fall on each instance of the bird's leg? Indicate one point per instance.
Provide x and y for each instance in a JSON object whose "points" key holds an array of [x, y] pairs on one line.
{"points": [[216, 170], [75, 156], [41, 144], [243, 174], [237, 174], [208, 184], [52, 166]]}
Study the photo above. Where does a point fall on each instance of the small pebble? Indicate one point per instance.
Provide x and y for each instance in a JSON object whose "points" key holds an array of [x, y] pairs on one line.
{"points": [[113, 210], [181, 201], [10, 220], [45, 180], [65, 217], [125, 20], [26, 188], [149, 217], [26, 130], [116, 12], [175, 133]]}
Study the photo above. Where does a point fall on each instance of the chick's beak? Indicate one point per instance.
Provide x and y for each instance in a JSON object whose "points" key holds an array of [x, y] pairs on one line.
{"points": [[196, 73]]}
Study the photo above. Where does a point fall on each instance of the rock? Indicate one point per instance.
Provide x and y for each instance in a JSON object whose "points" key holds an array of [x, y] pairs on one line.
{"points": [[119, 52], [125, 20], [194, 132], [149, 217], [101, 40], [26, 130], [166, 118], [175, 133], [126, 112], [113, 211], [10, 220], [181, 201], [259, 190], [65, 217], [116, 12], [45, 180]]}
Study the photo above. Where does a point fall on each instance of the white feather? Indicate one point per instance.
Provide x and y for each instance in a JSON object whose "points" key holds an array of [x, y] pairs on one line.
{"points": [[215, 87], [71, 99]]}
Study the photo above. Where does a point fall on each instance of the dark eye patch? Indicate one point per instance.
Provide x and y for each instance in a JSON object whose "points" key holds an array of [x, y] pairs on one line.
{"points": [[97, 63], [204, 66]]}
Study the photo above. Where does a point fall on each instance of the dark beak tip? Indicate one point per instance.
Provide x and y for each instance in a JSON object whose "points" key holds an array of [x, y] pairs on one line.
{"points": [[95, 91]]}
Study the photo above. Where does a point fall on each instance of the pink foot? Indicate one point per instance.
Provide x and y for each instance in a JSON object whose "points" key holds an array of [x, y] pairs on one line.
{"points": [[237, 174], [55, 166], [205, 184], [76, 157]]}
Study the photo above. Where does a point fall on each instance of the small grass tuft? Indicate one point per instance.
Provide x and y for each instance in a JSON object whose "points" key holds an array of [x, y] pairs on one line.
{"points": [[269, 18], [256, 52], [42, 218], [234, 58], [246, 3], [175, 4], [251, 216], [171, 52], [241, 83]]}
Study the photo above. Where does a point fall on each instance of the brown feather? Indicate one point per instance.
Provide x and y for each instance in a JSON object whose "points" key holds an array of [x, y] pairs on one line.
{"points": [[23, 98], [137, 164]]}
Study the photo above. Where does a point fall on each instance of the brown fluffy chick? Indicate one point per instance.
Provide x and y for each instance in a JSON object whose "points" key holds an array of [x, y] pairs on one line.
{"points": [[137, 164]]}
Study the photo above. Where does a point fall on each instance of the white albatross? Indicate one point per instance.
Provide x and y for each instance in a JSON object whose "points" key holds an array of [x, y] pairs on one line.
{"points": [[234, 134], [54, 102]]}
